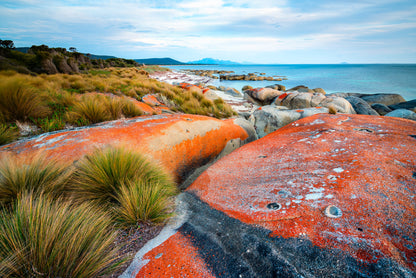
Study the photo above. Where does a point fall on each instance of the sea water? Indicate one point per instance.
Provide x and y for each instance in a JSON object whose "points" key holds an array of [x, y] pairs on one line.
{"points": [[368, 79]]}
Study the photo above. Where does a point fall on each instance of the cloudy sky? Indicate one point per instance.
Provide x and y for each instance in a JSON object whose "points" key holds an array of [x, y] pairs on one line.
{"points": [[261, 31]]}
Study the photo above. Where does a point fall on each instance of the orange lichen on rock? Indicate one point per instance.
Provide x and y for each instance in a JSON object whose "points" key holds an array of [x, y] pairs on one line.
{"points": [[179, 142], [147, 109], [151, 100], [345, 182], [176, 257]]}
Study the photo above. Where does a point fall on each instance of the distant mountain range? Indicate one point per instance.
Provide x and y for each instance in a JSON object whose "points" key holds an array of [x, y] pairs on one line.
{"points": [[159, 61], [170, 61], [212, 61]]}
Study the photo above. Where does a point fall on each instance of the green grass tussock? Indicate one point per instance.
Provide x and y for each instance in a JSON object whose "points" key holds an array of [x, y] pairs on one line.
{"points": [[7, 134], [139, 201], [36, 174], [40, 237], [102, 177]]}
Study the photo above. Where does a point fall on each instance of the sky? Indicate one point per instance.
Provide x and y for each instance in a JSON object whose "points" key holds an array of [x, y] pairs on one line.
{"points": [[261, 31]]}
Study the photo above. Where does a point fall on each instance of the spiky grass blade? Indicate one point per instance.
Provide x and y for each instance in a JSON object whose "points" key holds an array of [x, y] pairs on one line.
{"points": [[101, 177], [141, 202], [36, 174], [130, 110], [7, 134], [20, 101], [44, 238], [91, 108]]}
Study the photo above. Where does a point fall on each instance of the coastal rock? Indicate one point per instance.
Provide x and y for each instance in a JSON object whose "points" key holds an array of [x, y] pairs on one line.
{"points": [[231, 91], [265, 96], [381, 108], [411, 105], [298, 100], [340, 104], [268, 119], [402, 113], [300, 89], [386, 99], [361, 106], [277, 87], [344, 95], [180, 143], [319, 90], [308, 200]]}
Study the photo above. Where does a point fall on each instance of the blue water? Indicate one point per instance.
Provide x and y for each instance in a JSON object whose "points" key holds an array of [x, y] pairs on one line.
{"points": [[370, 79]]}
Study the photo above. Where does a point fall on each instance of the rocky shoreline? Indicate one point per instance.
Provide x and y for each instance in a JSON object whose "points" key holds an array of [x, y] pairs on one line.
{"points": [[300, 183], [275, 106], [229, 75]]}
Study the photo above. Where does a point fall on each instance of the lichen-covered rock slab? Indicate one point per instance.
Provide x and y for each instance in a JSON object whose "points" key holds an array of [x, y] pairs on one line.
{"points": [[179, 142], [364, 166]]}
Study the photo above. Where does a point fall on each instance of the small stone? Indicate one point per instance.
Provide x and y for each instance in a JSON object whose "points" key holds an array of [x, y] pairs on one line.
{"points": [[333, 211]]}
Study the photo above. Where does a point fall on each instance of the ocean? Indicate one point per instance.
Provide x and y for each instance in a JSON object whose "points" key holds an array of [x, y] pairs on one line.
{"points": [[368, 78]]}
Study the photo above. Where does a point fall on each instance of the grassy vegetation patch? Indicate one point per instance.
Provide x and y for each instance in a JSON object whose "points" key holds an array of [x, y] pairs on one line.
{"points": [[115, 177], [63, 221], [53, 102], [40, 237]]}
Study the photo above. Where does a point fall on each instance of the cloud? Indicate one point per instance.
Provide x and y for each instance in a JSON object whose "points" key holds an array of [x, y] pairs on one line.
{"points": [[238, 27]]}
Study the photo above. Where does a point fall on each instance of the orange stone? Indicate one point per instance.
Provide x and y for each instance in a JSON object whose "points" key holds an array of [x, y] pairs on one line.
{"points": [[179, 142], [176, 257], [344, 182]]}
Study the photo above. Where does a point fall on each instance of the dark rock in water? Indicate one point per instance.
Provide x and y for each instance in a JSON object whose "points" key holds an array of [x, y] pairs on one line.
{"points": [[344, 95], [246, 87], [265, 96], [411, 105], [301, 89], [277, 87], [382, 109], [402, 113], [386, 99], [308, 200], [319, 90], [361, 106]]}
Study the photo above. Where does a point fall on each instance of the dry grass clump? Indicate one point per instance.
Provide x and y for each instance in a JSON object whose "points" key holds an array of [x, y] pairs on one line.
{"points": [[20, 101], [129, 109], [35, 174], [40, 237], [111, 178], [90, 109], [52, 102]]}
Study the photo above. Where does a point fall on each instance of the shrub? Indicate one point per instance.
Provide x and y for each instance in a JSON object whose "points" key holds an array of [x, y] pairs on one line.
{"points": [[40, 237], [101, 178], [7, 134], [36, 174], [19, 101]]}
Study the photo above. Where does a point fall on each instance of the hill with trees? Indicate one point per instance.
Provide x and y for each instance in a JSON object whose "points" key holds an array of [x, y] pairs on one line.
{"points": [[43, 59]]}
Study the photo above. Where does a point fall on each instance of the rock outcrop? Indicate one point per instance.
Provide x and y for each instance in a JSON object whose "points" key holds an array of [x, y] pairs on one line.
{"points": [[326, 196], [270, 118], [180, 143], [402, 113], [361, 106]]}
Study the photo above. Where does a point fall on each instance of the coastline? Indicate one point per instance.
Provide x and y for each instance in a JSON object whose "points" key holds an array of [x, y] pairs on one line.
{"points": [[333, 78]]}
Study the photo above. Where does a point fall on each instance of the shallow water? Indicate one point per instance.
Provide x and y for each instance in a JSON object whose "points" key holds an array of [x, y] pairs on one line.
{"points": [[370, 79]]}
